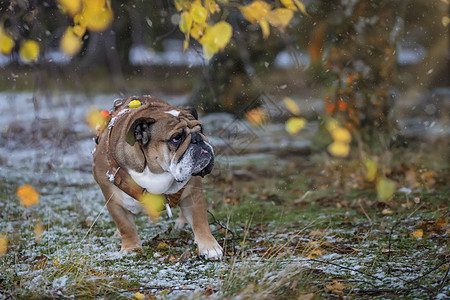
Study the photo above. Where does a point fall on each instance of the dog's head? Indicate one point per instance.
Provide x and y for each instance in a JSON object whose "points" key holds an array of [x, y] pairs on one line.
{"points": [[171, 140]]}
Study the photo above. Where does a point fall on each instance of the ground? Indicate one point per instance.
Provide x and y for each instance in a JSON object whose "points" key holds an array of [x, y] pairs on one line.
{"points": [[295, 222]]}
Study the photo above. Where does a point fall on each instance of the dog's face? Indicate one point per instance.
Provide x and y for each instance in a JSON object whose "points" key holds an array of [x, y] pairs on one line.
{"points": [[174, 143]]}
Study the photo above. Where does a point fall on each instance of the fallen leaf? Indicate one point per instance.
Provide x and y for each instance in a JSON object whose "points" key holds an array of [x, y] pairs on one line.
{"points": [[27, 195], [280, 17], [387, 211], [3, 244], [341, 134], [294, 125], [316, 252], [71, 7], [339, 149], [309, 296], [70, 43], [199, 13], [216, 38], [256, 116], [6, 42], [417, 234], [295, 5], [38, 230], [335, 287], [139, 296], [162, 245], [371, 169]]}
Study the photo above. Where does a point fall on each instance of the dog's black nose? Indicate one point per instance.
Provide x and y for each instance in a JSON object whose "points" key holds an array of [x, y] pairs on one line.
{"points": [[196, 138]]}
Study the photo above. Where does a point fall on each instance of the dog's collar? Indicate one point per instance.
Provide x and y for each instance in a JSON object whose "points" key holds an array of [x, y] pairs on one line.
{"points": [[117, 175]]}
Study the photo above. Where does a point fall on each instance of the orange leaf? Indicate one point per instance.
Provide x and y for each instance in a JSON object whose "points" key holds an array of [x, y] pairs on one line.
{"points": [[256, 116], [417, 234], [27, 195]]}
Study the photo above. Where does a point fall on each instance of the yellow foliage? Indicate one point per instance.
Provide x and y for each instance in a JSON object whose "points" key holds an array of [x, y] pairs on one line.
{"points": [[316, 252], [153, 204], [294, 125], [291, 106], [139, 296], [199, 13], [385, 188], [3, 244], [6, 42], [95, 119], [255, 11], [280, 17], [371, 169], [96, 16], [185, 22], [27, 195], [294, 5], [339, 149], [29, 51], [72, 7], [216, 38], [79, 30], [342, 135], [70, 42], [335, 287]]}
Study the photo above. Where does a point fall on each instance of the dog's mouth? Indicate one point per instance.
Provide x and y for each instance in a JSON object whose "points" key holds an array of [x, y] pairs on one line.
{"points": [[196, 161]]}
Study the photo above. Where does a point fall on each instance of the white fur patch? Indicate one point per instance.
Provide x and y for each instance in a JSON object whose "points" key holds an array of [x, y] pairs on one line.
{"points": [[154, 183], [173, 112], [133, 205]]}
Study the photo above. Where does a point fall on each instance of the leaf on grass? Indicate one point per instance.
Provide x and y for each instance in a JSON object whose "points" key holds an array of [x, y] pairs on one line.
{"points": [[417, 234], [139, 296], [291, 106], [162, 245], [27, 195], [38, 230], [294, 125], [385, 188], [315, 253], [153, 204], [339, 149], [335, 287], [70, 42], [29, 51], [3, 244]]}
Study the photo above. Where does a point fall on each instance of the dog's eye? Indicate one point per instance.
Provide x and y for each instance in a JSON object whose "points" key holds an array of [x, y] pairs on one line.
{"points": [[176, 139]]}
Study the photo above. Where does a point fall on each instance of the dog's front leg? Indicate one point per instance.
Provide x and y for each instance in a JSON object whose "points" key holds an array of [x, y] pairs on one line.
{"points": [[193, 207], [124, 220]]}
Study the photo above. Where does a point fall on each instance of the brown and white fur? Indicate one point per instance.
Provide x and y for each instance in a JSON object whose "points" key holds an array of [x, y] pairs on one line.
{"points": [[163, 149]]}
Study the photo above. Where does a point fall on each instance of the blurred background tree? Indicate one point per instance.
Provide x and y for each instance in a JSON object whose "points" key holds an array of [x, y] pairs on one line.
{"points": [[361, 52]]}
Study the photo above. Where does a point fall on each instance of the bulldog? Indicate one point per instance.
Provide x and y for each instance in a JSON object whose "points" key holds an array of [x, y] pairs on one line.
{"points": [[147, 145]]}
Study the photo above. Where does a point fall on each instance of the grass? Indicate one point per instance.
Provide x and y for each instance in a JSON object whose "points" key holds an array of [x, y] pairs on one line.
{"points": [[293, 227]]}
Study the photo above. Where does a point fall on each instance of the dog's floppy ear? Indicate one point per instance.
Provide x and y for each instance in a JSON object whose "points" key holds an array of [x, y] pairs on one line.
{"points": [[192, 111], [139, 131]]}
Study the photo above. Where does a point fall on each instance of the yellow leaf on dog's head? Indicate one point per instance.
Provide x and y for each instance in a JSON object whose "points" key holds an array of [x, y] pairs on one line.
{"points": [[27, 195], [29, 51], [153, 204]]}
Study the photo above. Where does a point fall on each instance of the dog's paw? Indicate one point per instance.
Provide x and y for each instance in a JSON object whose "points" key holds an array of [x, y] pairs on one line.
{"points": [[210, 250], [130, 250]]}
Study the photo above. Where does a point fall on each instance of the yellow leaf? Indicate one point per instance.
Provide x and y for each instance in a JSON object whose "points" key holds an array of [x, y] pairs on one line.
{"points": [[56, 262], [291, 106], [295, 5], [162, 245], [72, 7], [280, 17], [6, 42], [27, 195], [256, 116], [294, 125], [341, 134], [96, 16], [265, 28], [339, 149], [255, 11], [198, 30], [38, 230], [331, 125], [3, 244], [216, 38], [371, 169], [79, 30], [29, 51], [316, 252], [185, 22], [70, 42], [335, 287], [417, 233], [199, 13], [139, 296], [95, 119], [212, 6], [153, 204], [385, 188]]}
